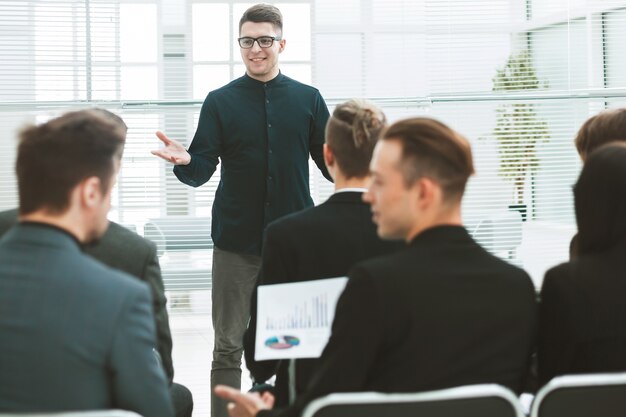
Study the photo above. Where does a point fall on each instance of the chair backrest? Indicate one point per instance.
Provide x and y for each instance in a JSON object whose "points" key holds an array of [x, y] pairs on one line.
{"points": [[179, 233], [601, 395], [485, 400], [501, 231], [95, 413]]}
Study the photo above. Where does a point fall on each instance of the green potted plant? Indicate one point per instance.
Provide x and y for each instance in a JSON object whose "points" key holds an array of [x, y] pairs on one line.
{"points": [[518, 128]]}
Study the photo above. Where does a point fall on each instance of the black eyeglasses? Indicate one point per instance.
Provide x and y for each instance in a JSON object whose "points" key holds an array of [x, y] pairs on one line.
{"points": [[263, 41]]}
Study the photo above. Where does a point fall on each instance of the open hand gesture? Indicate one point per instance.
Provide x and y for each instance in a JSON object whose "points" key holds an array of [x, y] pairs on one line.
{"points": [[173, 151]]}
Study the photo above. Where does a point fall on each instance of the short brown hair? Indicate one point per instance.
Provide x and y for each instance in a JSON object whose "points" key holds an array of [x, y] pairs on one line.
{"points": [[263, 13], [431, 149], [54, 157], [604, 127], [109, 115], [352, 132]]}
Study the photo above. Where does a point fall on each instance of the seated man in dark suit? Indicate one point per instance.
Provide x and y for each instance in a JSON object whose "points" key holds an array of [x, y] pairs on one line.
{"points": [[327, 240], [74, 334], [441, 313], [122, 249], [605, 127]]}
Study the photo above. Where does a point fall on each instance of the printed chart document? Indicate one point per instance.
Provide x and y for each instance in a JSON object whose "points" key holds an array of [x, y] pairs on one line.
{"points": [[294, 320]]}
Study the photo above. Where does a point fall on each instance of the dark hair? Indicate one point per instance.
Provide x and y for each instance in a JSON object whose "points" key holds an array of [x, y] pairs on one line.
{"points": [[598, 130], [263, 13], [600, 199], [54, 157], [431, 149], [351, 133], [109, 115]]}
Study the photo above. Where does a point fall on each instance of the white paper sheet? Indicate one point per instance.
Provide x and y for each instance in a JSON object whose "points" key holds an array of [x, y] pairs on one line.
{"points": [[294, 320]]}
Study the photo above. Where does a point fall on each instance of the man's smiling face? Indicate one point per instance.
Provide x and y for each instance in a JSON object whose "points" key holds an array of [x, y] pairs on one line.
{"points": [[261, 63]]}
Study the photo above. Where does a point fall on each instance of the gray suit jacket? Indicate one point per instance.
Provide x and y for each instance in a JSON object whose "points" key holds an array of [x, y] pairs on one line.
{"points": [[74, 333], [122, 249]]}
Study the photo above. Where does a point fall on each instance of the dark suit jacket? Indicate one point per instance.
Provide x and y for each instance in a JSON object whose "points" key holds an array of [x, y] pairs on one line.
{"points": [[582, 316], [320, 242], [74, 334], [439, 314], [122, 249]]}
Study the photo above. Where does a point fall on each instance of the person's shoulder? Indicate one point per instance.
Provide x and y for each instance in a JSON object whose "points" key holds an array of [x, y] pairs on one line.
{"points": [[386, 265], [118, 233], [8, 218], [319, 215], [226, 88], [300, 86], [106, 279], [570, 273], [124, 249], [120, 246], [294, 222], [504, 270]]}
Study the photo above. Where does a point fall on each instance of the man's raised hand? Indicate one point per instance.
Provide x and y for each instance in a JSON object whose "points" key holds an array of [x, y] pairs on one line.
{"points": [[173, 151]]}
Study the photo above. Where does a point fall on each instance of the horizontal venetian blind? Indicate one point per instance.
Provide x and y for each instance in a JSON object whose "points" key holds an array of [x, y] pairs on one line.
{"points": [[518, 78], [151, 62]]}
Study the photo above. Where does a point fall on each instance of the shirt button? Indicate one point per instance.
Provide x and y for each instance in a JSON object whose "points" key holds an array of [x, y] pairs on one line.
{"points": [[270, 151], [269, 125], [270, 178], [267, 101], [267, 203]]}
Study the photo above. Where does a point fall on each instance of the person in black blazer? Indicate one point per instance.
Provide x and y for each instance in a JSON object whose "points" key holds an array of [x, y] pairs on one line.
{"points": [[327, 240], [582, 310], [441, 313], [75, 334]]}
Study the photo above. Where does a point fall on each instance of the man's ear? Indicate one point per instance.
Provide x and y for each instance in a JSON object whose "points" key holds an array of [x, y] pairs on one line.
{"points": [[329, 157], [90, 192], [427, 191], [281, 45]]}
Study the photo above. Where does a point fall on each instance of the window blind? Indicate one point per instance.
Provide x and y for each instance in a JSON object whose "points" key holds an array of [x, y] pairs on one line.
{"points": [[517, 77]]}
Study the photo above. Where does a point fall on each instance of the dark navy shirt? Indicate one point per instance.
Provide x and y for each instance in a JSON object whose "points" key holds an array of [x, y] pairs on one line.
{"points": [[263, 134]]}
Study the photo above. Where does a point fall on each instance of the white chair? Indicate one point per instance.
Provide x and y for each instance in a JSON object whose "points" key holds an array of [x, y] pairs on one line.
{"points": [[96, 413], [184, 246], [500, 233], [589, 395], [485, 400]]}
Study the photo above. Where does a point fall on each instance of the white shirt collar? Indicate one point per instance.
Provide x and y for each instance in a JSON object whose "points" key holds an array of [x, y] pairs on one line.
{"points": [[351, 189]]}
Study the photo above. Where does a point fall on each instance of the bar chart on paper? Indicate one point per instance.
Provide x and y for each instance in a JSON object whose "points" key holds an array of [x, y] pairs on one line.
{"points": [[294, 320], [312, 314]]}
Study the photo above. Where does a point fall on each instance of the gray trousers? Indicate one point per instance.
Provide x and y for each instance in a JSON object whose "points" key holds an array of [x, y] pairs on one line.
{"points": [[234, 277]]}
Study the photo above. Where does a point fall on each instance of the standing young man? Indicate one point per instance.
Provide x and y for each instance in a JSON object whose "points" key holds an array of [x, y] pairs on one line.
{"points": [[262, 127]]}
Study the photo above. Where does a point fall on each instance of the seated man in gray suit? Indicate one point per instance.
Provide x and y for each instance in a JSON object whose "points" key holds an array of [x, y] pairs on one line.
{"points": [[74, 334], [441, 313], [122, 249]]}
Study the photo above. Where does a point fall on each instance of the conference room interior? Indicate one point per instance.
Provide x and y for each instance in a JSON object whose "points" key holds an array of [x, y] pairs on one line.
{"points": [[516, 77]]}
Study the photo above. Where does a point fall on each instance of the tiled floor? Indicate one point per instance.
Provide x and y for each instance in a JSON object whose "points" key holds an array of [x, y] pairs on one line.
{"points": [[192, 333]]}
